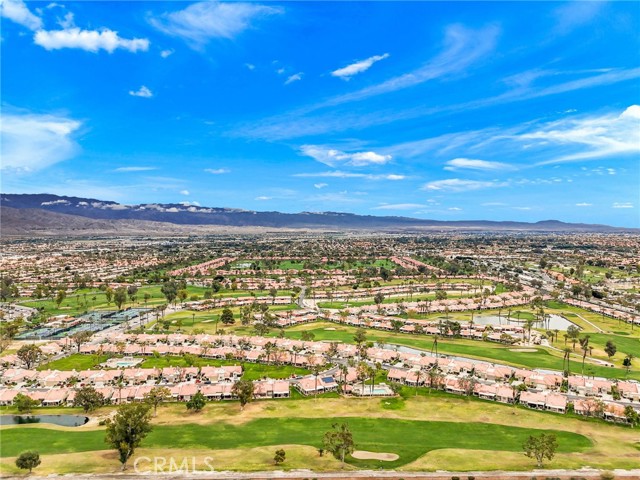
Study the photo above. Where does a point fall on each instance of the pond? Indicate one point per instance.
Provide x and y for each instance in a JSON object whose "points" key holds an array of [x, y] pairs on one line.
{"points": [[62, 420], [554, 322]]}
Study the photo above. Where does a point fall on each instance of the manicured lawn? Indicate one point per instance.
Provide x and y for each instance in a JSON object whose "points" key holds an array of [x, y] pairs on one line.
{"points": [[408, 438], [541, 358], [76, 361], [252, 371]]}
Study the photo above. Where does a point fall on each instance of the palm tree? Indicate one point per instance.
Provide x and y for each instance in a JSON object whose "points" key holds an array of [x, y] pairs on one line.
{"points": [[567, 354], [584, 344]]}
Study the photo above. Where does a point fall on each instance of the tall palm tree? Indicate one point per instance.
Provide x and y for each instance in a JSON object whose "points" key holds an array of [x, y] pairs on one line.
{"points": [[584, 345]]}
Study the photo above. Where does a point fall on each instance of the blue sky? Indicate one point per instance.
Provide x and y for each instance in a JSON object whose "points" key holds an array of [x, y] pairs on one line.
{"points": [[478, 110]]}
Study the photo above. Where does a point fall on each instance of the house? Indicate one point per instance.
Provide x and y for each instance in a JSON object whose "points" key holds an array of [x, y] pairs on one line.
{"points": [[556, 403], [533, 400]]}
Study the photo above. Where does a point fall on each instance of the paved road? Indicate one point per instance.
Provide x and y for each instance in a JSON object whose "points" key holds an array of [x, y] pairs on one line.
{"points": [[391, 474]]}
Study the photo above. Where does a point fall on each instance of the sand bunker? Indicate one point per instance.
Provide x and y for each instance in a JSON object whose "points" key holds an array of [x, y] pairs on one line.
{"points": [[523, 350], [364, 455], [329, 328]]}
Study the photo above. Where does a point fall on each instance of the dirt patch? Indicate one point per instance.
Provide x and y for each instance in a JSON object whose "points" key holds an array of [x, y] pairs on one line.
{"points": [[523, 350], [364, 455]]}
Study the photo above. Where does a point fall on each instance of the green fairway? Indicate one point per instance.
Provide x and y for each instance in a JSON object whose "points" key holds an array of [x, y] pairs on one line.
{"points": [[252, 371], [408, 438], [493, 352], [77, 361]]}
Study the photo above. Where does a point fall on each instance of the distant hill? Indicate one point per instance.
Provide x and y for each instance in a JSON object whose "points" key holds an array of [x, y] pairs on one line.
{"points": [[33, 213]]}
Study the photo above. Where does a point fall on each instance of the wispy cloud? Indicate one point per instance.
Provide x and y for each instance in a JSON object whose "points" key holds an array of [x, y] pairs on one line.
{"points": [[333, 157], [572, 15], [17, 11], [473, 164], [184, 192], [462, 48], [143, 92], [622, 205], [134, 169], [461, 185], [201, 22], [358, 67], [320, 185], [166, 53], [399, 206], [591, 137], [217, 171], [263, 198], [584, 204], [88, 40], [31, 142], [340, 174], [296, 77]]}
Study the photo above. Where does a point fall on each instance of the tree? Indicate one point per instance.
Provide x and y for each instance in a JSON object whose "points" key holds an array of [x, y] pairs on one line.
{"points": [[81, 337], [28, 460], [170, 290], [127, 429], [610, 349], [632, 416], [24, 403], [278, 458], [541, 447], [88, 398], [626, 363], [573, 333], [30, 355], [120, 297], [360, 336], [227, 317], [60, 296], [243, 389], [339, 441], [584, 345], [197, 402], [108, 293], [156, 396]]}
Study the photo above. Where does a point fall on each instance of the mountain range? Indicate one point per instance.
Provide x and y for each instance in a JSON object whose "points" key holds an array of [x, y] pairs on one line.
{"points": [[47, 214]]}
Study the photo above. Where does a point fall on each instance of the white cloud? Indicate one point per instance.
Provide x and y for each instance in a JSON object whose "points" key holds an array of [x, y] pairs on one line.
{"points": [[203, 21], [472, 164], [462, 48], [17, 11], [67, 21], [399, 206], [454, 209], [134, 169], [184, 192], [339, 174], [143, 92], [296, 77], [572, 15], [590, 137], [493, 204], [622, 205], [31, 142], [358, 67], [333, 157], [584, 204], [460, 185], [166, 53], [263, 198], [250, 66], [320, 185], [217, 171], [89, 40]]}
